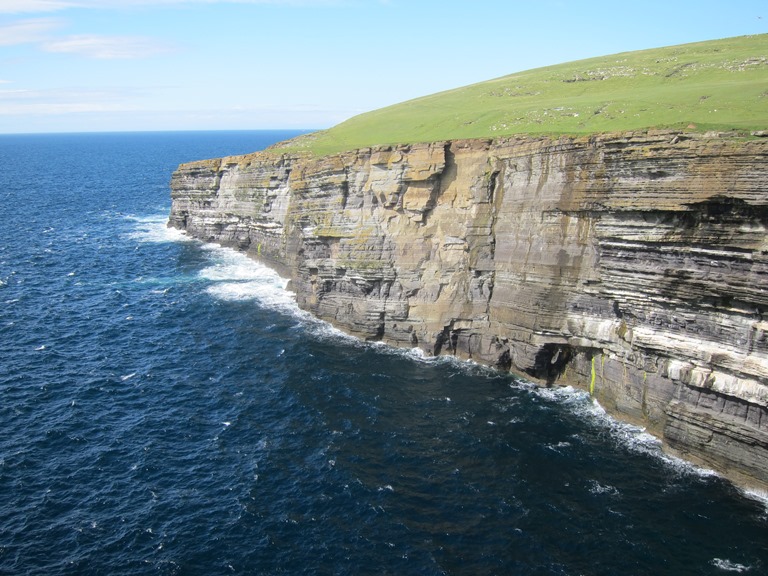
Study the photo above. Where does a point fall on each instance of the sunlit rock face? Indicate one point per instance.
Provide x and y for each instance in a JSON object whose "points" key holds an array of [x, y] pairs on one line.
{"points": [[634, 265]]}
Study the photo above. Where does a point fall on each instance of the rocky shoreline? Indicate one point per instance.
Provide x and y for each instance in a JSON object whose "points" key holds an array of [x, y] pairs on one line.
{"points": [[634, 265]]}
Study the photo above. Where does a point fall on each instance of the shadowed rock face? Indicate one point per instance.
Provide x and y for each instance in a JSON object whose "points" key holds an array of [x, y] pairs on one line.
{"points": [[634, 265]]}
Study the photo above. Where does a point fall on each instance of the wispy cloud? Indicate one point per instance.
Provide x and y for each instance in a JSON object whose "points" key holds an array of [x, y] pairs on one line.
{"points": [[26, 6], [107, 47], [95, 46], [41, 31], [27, 31]]}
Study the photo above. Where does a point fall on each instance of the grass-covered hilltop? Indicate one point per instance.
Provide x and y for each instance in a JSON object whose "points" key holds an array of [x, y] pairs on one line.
{"points": [[713, 85]]}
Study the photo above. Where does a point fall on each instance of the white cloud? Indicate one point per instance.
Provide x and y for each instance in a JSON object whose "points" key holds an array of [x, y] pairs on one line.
{"points": [[107, 47], [40, 31], [27, 31], [21, 6]]}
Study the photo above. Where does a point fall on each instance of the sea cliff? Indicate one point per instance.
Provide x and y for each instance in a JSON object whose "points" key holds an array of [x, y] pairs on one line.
{"points": [[634, 265]]}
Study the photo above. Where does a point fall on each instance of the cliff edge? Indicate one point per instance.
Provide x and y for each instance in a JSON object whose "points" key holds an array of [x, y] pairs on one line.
{"points": [[634, 265]]}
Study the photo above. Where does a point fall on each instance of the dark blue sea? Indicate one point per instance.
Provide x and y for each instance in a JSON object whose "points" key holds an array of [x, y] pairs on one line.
{"points": [[166, 408]]}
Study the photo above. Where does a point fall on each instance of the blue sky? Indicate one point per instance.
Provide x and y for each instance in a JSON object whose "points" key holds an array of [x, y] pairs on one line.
{"points": [[112, 65]]}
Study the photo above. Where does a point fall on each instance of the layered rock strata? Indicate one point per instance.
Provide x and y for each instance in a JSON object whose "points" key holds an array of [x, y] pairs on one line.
{"points": [[634, 265]]}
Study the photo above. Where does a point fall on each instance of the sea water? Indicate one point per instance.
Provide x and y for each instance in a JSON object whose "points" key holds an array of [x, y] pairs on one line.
{"points": [[167, 409]]}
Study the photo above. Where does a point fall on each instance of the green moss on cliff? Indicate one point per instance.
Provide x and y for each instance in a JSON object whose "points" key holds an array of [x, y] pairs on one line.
{"points": [[714, 85]]}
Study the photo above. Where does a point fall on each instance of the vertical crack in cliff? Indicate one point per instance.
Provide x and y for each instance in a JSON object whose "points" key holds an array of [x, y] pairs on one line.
{"points": [[492, 181], [494, 189], [441, 181], [448, 338], [495, 195], [344, 190]]}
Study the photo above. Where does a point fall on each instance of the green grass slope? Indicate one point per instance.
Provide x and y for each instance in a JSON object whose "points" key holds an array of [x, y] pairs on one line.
{"points": [[713, 85]]}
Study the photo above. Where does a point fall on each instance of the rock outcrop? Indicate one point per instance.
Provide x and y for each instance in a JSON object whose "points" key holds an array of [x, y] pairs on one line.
{"points": [[634, 265]]}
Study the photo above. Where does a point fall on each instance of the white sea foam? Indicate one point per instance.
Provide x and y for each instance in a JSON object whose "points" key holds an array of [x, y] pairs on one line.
{"points": [[760, 496], [231, 276], [235, 276], [729, 566], [463, 365], [635, 438], [602, 489], [154, 229]]}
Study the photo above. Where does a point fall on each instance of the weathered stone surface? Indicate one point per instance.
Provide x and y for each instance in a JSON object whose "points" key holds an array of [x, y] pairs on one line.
{"points": [[634, 265]]}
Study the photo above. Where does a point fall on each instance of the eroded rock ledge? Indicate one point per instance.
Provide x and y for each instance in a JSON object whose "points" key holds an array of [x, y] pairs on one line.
{"points": [[634, 265]]}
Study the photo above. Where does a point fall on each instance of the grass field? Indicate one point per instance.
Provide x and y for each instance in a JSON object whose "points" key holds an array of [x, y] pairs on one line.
{"points": [[714, 85]]}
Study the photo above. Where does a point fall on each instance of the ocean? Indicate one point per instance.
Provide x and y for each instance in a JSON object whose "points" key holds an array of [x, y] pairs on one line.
{"points": [[166, 408]]}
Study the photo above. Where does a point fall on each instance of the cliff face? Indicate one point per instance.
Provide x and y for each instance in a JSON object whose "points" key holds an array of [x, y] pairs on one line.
{"points": [[633, 265]]}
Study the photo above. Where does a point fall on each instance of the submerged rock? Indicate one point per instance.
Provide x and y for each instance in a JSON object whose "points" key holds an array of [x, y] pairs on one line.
{"points": [[634, 265]]}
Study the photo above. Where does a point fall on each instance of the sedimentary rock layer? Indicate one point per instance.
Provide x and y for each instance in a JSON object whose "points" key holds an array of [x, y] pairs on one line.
{"points": [[634, 265]]}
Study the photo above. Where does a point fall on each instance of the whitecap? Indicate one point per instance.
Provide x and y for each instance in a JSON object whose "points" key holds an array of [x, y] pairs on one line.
{"points": [[229, 264], [262, 291], [760, 496], [417, 354], [634, 438], [233, 276], [326, 331], [598, 489], [729, 566], [463, 366], [127, 376], [154, 229]]}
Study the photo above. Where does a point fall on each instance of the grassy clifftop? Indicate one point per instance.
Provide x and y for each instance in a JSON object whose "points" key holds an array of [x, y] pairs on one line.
{"points": [[714, 85]]}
